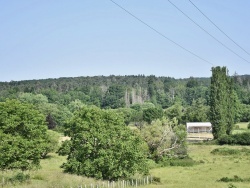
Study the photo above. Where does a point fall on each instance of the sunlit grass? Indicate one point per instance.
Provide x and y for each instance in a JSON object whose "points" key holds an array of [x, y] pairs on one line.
{"points": [[209, 169], [51, 175], [241, 127]]}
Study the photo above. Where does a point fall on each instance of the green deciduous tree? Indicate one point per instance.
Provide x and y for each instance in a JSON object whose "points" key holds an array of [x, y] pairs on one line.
{"points": [[197, 112], [57, 112], [175, 111], [164, 138], [23, 136], [151, 114], [102, 146], [114, 97]]}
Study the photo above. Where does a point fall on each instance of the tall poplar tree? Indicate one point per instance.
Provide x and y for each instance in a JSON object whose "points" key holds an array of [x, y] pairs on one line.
{"points": [[222, 102]]}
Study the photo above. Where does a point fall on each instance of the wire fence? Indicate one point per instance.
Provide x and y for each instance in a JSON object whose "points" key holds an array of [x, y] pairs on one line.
{"points": [[105, 184], [120, 183]]}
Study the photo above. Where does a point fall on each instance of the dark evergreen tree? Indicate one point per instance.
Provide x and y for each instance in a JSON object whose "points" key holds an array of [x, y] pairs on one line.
{"points": [[222, 102], [231, 100], [50, 121], [151, 114], [152, 89], [114, 97]]}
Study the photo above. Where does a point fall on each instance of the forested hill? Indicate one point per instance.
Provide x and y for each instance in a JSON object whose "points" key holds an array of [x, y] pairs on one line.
{"points": [[120, 91], [110, 91]]}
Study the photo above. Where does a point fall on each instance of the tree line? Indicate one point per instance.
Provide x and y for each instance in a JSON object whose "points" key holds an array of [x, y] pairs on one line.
{"points": [[96, 114], [114, 92]]}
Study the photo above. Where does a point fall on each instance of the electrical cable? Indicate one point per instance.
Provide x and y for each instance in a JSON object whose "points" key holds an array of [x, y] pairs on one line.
{"points": [[161, 34], [218, 27], [208, 32]]}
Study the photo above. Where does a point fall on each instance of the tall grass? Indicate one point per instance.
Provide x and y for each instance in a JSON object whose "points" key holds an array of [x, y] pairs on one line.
{"points": [[205, 173], [50, 175], [211, 168]]}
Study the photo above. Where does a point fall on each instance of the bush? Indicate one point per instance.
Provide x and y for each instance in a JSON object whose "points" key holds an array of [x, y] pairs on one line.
{"points": [[65, 148], [183, 162], [187, 161], [235, 139], [248, 125], [156, 179], [51, 144], [231, 186], [236, 127], [152, 164], [234, 179], [225, 151], [226, 139], [19, 178]]}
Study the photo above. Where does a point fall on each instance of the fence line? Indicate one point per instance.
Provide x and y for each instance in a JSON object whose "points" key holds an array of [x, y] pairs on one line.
{"points": [[108, 184], [120, 183]]}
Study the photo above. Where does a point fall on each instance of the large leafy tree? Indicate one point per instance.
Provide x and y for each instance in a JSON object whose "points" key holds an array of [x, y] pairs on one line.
{"points": [[164, 138], [175, 111], [222, 102], [114, 97], [102, 146], [23, 136], [151, 114], [54, 112], [197, 112]]}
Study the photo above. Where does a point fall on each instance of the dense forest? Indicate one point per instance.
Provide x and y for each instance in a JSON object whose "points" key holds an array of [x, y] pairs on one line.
{"points": [[185, 99], [119, 125]]}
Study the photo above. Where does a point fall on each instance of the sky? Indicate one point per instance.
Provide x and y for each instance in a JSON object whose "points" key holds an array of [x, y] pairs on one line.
{"points": [[42, 39]]}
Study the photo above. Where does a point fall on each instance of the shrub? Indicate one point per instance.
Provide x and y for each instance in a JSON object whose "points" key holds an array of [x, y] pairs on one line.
{"points": [[225, 151], [38, 177], [229, 151], [226, 139], [231, 186], [51, 144], [183, 162], [235, 139], [19, 178], [234, 179], [248, 125], [65, 148], [236, 127], [151, 164], [156, 179], [187, 161]]}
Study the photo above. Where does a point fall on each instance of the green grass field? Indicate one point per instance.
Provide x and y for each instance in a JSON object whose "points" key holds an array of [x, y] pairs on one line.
{"points": [[209, 169], [241, 127], [51, 175]]}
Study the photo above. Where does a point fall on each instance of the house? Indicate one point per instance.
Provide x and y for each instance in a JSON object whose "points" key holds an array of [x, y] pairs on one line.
{"points": [[199, 127]]}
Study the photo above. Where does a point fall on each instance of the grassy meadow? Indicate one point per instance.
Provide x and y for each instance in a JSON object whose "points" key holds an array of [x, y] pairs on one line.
{"points": [[205, 173], [241, 127], [210, 168]]}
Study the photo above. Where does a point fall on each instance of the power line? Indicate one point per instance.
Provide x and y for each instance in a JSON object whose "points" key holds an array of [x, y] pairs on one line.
{"points": [[208, 32], [218, 28], [161, 34]]}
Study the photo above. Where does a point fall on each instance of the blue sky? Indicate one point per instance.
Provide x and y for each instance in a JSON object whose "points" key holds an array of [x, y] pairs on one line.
{"points": [[50, 39]]}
